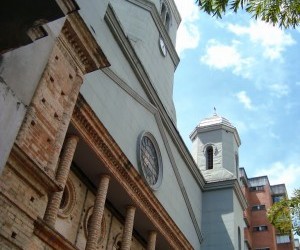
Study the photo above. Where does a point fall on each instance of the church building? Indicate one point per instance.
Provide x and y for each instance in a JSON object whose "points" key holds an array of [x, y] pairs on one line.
{"points": [[90, 155]]}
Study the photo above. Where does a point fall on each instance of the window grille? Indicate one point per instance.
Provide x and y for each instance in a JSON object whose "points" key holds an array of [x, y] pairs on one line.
{"points": [[209, 158], [260, 228]]}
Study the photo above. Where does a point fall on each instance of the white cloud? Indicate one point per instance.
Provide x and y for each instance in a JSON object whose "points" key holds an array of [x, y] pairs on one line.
{"points": [[188, 37], [280, 173], [188, 34], [273, 39], [244, 99], [221, 56], [279, 90]]}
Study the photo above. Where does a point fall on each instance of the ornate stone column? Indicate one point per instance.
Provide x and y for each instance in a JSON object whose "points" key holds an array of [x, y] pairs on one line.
{"points": [[94, 228], [128, 227], [151, 240], [61, 177]]}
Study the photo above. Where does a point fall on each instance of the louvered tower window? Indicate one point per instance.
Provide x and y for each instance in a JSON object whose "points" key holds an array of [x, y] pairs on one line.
{"points": [[209, 158], [165, 16]]}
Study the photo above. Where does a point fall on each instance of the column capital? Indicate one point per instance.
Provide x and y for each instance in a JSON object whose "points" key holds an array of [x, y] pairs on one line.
{"points": [[130, 207], [105, 176], [72, 137]]}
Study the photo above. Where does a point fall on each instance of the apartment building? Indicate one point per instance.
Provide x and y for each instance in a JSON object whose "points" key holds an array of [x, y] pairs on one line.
{"points": [[260, 234]]}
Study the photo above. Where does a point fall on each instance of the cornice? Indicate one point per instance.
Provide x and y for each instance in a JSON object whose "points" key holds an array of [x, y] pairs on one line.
{"points": [[214, 128], [67, 6], [104, 146], [156, 114], [149, 6], [19, 158], [81, 45], [51, 236]]}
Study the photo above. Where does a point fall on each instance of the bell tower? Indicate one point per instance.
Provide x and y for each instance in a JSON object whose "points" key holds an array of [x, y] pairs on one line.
{"points": [[215, 148]]}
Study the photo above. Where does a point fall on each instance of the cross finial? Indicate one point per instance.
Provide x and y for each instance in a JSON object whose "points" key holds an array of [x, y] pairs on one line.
{"points": [[215, 111]]}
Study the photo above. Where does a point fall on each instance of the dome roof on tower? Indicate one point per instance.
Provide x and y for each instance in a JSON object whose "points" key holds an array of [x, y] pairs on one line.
{"points": [[215, 120]]}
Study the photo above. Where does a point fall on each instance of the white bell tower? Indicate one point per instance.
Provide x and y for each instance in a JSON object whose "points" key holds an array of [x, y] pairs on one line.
{"points": [[215, 148]]}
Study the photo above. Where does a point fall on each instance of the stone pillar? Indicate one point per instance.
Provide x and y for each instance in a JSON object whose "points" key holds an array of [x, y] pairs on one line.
{"points": [[128, 227], [151, 240], [94, 229], [61, 177]]}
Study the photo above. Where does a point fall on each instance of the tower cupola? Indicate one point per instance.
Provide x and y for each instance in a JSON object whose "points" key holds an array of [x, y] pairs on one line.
{"points": [[215, 148]]}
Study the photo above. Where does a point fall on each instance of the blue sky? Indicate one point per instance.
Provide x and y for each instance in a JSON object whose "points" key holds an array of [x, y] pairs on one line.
{"points": [[249, 71]]}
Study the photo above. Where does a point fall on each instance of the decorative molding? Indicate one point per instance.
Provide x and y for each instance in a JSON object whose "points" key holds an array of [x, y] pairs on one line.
{"points": [[104, 146], [179, 180], [149, 6], [19, 205], [123, 85], [151, 92], [51, 237], [214, 128], [155, 112], [67, 6], [81, 45], [19, 158]]}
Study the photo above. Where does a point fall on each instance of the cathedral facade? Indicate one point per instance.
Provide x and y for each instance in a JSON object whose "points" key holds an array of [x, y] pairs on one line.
{"points": [[90, 156]]}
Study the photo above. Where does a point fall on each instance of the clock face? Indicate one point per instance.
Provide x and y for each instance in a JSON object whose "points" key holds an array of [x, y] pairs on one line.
{"points": [[163, 48], [150, 160]]}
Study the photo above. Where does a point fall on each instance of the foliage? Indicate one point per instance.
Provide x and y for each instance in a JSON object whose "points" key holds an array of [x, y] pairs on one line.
{"points": [[285, 13], [285, 214]]}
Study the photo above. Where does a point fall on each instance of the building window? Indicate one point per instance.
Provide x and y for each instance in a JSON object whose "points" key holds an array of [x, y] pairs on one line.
{"points": [[264, 248], [259, 207], [280, 239], [260, 228], [209, 157], [257, 188], [277, 198], [165, 16], [237, 164]]}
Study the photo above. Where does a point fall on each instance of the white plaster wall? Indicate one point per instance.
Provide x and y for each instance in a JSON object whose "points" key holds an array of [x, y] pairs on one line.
{"points": [[218, 220], [228, 160], [12, 112], [121, 114], [239, 221], [203, 139], [225, 148], [125, 119], [191, 186], [124, 116], [144, 36], [111, 49]]}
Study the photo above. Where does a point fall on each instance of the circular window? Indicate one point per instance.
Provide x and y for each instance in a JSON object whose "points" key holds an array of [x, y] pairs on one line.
{"points": [[68, 200], [150, 160], [87, 222]]}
